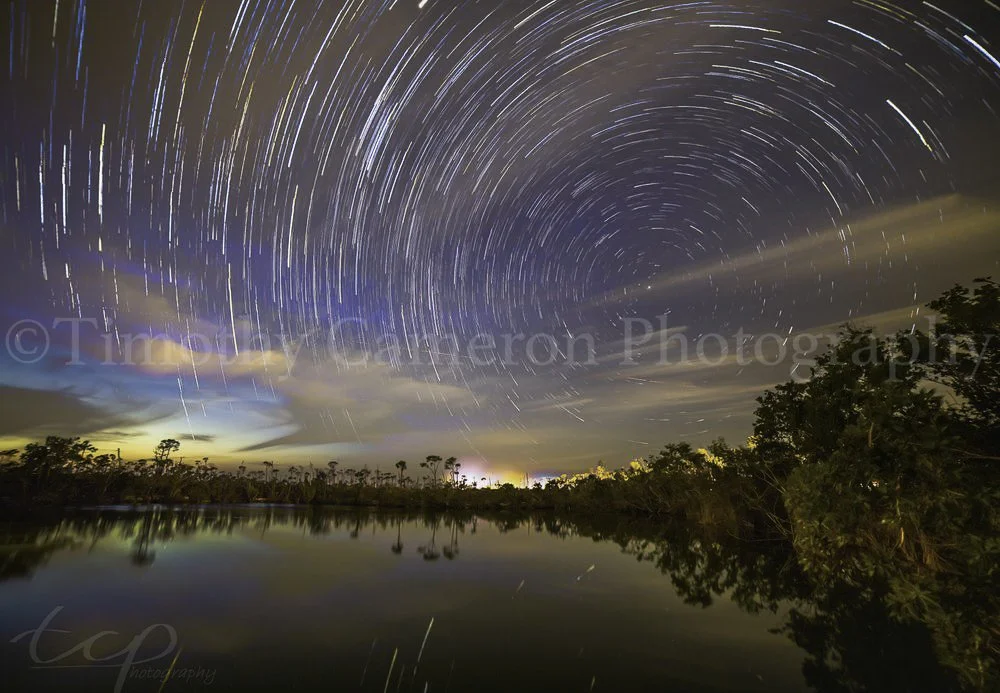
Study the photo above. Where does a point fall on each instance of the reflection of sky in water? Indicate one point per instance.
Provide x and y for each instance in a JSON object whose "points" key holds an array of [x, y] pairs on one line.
{"points": [[286, 605]]}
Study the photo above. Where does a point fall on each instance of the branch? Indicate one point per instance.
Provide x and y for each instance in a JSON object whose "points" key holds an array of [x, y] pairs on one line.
{"points": [[974, 455]]}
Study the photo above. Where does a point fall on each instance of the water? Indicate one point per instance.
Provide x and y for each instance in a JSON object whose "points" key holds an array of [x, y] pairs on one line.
{"points": [[298, 599]]}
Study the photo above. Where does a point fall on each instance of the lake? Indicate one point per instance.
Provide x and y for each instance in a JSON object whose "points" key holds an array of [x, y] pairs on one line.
{"points": [[252, 598]]}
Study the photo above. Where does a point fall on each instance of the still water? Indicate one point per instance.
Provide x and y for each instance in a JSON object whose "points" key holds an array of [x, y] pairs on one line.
{"points": [[295, 599]]}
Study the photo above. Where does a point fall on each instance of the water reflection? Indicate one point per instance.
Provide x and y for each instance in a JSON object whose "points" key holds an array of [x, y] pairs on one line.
{"points": [[846, 637]]}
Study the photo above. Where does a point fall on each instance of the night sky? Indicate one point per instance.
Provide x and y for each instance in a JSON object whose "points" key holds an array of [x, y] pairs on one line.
{"points": [[297, 200]]}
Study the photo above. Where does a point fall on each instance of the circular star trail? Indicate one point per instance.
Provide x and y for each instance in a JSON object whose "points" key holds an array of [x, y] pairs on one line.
{"points": [[457, 168]]}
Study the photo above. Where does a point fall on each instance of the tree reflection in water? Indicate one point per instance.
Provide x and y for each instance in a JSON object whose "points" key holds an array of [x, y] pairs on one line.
{"points": [[851, 639]]}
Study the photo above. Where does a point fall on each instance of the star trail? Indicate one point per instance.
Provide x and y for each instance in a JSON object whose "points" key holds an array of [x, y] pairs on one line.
{"points": [[370, 183]]}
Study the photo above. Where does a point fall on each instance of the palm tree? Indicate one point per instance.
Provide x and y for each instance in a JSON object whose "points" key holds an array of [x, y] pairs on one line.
{"points": [[362, 476], [432, 463], [269, 478], [429, 550], [401, 466], [161, 454], [451, 550], [397, 548], [453, 465]]}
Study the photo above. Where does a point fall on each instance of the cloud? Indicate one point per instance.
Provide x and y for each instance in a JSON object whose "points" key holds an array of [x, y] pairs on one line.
{"points": [[937, 231], [197, 437], [331, 403], [886, 321], [160, 354], [28, 413]]}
